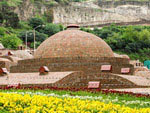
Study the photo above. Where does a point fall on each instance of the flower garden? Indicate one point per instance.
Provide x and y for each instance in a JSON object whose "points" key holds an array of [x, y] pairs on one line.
{"points": [[56, 100]]}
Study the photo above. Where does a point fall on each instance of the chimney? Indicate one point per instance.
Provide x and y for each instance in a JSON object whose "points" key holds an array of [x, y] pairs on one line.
{"points": [[73, 27], [10, 53]]}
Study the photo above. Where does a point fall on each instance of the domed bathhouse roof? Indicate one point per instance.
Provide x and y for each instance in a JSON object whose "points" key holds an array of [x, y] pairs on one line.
{"points": [[74, 58], [73, 43]]}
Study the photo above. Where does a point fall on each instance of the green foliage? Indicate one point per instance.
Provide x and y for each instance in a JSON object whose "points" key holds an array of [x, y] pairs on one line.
{"points": [[36, 44], [1, 18], [8, 3], [49, 16], [24, 25], [35, 22], [2, 31], [131, 40], [39, 37], [11, 3], [51, 29], [10, 41], [11, 19], [8, 17], [144, 35]]}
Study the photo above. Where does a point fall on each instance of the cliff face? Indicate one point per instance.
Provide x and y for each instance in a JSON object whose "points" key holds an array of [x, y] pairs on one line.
{"points": [[90, 13], [27, 10], [82, 14]]}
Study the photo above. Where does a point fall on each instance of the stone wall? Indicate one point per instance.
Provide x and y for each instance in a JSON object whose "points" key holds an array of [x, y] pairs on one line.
{"points": [[72, 64], [75, 80], [6, 65], [107, 80], [81, 79]]}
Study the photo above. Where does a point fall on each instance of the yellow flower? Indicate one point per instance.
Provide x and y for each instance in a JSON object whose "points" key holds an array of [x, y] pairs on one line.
{"points": [[35, 104]]}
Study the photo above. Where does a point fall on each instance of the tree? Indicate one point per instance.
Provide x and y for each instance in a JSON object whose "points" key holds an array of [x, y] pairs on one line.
{"points": [[51, 29], [34, 22], [40, 37], [11, 41], [36, 44], [144, 35], [11, 19]]}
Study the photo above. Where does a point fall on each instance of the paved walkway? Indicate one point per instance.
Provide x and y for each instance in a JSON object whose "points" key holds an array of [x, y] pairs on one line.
{"points": [[136, 90], [32, 78]]}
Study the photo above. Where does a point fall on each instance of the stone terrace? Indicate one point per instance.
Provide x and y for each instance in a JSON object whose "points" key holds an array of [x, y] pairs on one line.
{"points": [[32, 78], [72, 64], [73, 79]]}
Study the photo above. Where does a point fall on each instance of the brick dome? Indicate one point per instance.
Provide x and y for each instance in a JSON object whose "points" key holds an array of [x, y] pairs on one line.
{"points": [[73, 43]]}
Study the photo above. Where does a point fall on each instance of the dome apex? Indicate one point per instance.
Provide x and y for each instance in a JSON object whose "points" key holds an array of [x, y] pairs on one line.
{"points": [[73, 26]]}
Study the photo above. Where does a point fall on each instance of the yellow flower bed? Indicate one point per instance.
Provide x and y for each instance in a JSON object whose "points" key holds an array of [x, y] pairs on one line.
{"points": [[43, 104]]}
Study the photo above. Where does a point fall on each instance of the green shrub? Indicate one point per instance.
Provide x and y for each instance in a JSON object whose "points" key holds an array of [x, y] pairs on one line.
{"points": [[35, 22], [36, 44], [49, 16], [24, 25], [2, 31], [11, 41]]}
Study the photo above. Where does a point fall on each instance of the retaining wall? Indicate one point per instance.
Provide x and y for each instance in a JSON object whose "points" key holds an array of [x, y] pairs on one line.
{"points": [[72, 64]]}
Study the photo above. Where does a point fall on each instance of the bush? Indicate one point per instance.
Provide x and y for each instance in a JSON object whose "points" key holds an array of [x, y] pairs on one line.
{"points": [[2, 31], [49, 16], [24, 25], [11, 41], [36, 44]]}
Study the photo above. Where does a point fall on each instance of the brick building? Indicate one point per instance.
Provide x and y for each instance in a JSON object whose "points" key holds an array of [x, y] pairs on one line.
{"points": [[75, 58]]}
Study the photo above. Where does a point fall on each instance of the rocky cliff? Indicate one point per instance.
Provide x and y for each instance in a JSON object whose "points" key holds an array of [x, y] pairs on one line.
{"points": [[28, 9], [90, 13]]}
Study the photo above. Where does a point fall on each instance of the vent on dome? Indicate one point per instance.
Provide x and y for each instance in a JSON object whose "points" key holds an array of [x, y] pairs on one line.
{"points": [[73, 26], [3, 71], [43, 70]]}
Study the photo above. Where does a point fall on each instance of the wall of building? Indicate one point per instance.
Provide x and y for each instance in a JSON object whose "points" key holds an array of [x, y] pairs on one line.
{"points": [[7, 65], [72, 64]]}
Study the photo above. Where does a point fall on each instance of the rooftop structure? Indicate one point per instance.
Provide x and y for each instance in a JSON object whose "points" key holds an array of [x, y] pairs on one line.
{"points": [[73, 43], [73, 58]]}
